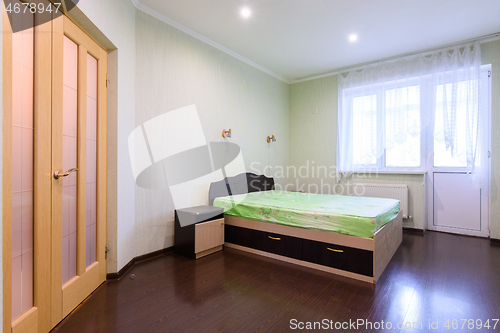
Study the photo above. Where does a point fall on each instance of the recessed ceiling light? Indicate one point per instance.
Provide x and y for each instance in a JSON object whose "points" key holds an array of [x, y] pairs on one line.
{"points": [[245, 12], [353, 38]]}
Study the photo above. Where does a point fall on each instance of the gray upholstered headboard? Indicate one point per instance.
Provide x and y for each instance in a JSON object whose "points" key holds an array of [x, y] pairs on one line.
{"points": [[239, 184]]}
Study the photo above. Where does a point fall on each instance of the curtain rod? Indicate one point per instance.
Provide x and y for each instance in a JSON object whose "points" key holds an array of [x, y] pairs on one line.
{"points": [[481, 40]]}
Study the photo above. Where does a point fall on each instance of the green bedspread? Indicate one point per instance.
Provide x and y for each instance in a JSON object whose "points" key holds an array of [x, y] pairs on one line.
{"points": [[348, 215]]}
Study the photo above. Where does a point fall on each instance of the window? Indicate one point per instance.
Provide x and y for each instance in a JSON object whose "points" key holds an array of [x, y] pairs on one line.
{"points": [[390, 116], [364, 129], [396, 115], [393, 118], [405, 152]]}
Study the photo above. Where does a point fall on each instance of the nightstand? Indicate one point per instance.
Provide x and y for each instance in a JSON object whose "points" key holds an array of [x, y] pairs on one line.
{"points": [[199, 231]]}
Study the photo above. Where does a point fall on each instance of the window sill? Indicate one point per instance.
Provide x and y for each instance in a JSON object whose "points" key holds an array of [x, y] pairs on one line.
{"points": [[393, 172]]}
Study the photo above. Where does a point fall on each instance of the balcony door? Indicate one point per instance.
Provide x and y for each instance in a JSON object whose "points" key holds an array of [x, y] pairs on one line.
{"points": [[455, 204]]}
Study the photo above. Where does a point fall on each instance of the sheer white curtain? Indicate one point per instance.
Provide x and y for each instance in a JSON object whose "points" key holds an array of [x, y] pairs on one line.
{"points": [[458, 116], [384, 107]]}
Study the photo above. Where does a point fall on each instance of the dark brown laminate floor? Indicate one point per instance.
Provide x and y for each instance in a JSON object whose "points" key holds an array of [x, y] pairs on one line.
{"points": [[433, 277]]}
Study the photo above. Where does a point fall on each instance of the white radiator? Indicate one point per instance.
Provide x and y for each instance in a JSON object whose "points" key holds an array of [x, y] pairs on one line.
{"points": [[390, 191]]}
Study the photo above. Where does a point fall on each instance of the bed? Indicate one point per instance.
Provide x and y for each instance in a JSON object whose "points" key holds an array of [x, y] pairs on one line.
{"points": [[351, 236]]}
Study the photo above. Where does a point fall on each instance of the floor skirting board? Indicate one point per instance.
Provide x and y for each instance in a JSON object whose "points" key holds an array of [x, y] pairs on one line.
{"points": [[413, 230], [494, 241], [136, 260]]}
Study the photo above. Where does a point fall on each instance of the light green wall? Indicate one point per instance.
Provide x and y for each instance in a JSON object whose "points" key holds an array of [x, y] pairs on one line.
{"points": [[173, 70], [313, 138], [490, 53]]}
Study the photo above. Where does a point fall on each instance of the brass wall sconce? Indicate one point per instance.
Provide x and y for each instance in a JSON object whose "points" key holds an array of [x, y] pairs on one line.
{"points": [[226, 134]]}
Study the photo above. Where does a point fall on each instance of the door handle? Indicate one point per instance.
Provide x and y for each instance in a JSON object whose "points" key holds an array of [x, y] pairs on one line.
{"points": [[334, 250], [58, 175]]}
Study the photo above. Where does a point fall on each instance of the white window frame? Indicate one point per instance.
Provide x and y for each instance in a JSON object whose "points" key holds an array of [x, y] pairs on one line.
{"points": [[426, 137], [380, 166]]}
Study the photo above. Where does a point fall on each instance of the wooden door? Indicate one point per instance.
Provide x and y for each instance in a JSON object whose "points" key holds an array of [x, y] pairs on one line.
{"points": [[36, 294], [78, 167], [26, 182]]}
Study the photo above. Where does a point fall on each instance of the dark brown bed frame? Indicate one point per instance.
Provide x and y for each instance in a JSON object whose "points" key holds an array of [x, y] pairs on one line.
{"points": [[356, 257], [240, 184]]}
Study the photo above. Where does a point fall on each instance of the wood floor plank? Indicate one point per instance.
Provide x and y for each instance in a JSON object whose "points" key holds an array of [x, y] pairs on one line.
{"points": [[435, 276]]}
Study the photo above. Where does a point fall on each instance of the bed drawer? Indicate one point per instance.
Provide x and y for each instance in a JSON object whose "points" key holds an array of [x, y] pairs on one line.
{"points": [[264, 241], [283, 245], [340, 257], [242, 236]]}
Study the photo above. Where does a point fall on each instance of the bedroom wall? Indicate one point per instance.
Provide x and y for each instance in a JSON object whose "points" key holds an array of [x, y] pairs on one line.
{"points": [[314, 140], [490, 53], [157, 69], [173, 70]]}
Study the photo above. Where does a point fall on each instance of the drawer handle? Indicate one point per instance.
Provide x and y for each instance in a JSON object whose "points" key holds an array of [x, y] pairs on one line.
{"points": [[222, 222], [334, 250], [274, 238]]}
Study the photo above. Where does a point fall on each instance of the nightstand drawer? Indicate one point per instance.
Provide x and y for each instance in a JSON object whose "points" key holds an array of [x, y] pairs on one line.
{"points": [[208, 235]]}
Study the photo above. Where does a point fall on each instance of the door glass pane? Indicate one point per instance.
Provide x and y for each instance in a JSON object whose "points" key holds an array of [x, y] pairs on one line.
{"points": [[91, 159], [443, 156], [22, 164], [70, 111]]}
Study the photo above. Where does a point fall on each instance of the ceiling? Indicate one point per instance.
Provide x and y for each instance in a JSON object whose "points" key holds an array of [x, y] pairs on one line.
{"points": [[296, 39]]}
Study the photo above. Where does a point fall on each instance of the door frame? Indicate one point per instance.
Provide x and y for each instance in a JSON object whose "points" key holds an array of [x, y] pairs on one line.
{"points": [[485, 190]]}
